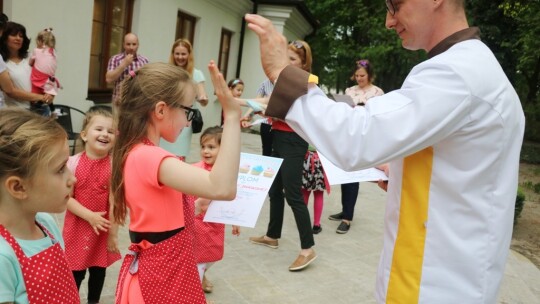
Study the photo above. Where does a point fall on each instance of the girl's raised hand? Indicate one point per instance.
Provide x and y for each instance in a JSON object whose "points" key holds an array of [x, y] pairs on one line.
{"points": [[228, 102]]}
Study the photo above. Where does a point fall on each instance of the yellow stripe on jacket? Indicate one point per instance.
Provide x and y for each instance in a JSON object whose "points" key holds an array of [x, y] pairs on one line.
{"points": [[406, 271]]}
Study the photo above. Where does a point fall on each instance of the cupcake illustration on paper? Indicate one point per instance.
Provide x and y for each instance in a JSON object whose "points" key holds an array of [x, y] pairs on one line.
{"points": [[244, 168], [257, 170], [269, 172]]}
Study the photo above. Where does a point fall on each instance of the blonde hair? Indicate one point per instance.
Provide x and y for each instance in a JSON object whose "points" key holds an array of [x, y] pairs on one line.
{"points": [[141, 91], [304, 52], [46, 36], [94, 111], [190, 61], [26, 141]]}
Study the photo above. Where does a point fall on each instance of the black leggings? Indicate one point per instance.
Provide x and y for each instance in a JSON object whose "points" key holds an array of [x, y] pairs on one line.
{"points": [[95, 282]]}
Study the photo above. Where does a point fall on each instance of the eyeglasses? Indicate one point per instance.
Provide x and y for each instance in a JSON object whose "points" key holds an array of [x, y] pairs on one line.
{"points": [[390, 7], [297, 44], [190, 113]]}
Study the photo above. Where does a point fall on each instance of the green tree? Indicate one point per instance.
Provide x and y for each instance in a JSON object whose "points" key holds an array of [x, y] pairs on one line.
{"points": [[353, 30]]}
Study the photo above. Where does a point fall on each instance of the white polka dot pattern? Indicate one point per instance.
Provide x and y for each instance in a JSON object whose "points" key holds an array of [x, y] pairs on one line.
{"points": [[208, 238], [46, 275], [167, 272], [85, 249]]}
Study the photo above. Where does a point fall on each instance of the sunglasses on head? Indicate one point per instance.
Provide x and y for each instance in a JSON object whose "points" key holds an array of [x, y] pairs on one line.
{"points": [[297, 44]]}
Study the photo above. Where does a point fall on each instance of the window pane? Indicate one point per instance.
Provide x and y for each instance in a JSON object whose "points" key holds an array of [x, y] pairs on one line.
{"points": [[117, 35], [119, 13]]}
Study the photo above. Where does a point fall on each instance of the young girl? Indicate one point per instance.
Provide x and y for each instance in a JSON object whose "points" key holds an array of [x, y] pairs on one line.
{"points": [[209, 237], [237, 88], [43, 63], [33, 179], [91, 241], [156, 103], [314, 180]]}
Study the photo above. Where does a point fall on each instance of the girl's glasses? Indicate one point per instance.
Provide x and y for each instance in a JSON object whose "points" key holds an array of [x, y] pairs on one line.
{"points": [[190, 113]]}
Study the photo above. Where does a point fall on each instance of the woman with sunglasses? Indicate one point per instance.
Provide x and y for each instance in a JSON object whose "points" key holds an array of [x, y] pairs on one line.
{"points": [[360, 93], [288, 182]]}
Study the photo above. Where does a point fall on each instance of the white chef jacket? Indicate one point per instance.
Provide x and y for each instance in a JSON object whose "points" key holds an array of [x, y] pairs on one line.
{"points": [[452, 135]]}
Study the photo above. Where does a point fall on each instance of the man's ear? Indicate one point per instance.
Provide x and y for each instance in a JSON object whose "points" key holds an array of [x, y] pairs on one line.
{"points": [[16, 187]]}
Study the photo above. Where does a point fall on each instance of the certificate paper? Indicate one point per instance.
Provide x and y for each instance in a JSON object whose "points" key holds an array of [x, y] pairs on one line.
{"points": [[255, 177], [336, 176]]}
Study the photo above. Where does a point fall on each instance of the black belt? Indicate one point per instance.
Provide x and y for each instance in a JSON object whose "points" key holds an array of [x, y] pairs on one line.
{"points": [[152, 237]]}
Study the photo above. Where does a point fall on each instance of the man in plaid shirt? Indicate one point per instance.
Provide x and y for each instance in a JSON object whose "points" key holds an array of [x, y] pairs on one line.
{"points": [[121, 64]]}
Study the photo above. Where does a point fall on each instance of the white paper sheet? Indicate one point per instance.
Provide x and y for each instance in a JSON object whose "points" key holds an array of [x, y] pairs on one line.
{"points": [[337, 176], [258, 121], [255, 177], [344, 98]]}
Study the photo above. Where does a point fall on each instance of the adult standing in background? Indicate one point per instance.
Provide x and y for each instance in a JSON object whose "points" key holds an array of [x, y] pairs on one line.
{"points": [[360, 93], [453, 136], [121, 64], [14, 45], [6, 84], [265, 128], [182, 56], [292, 148]]}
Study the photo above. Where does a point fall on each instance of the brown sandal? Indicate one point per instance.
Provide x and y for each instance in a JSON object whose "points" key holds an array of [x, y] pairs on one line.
{"points": [[207, 287]]}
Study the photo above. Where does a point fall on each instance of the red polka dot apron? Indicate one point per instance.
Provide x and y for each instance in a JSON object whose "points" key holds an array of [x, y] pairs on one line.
{"points": [[46, 274], [166, 272], [209, 238], [84, 248]]}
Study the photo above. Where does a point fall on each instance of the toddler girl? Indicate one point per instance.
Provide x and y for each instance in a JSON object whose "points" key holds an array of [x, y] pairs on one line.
{"points": [[209, 237], [43, 62], [314, 180], [33, 180], [237, 88], [91, 241], [156, 103]]}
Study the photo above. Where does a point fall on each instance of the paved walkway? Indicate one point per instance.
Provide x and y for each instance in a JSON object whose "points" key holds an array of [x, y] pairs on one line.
{"points": [[344, 271]]}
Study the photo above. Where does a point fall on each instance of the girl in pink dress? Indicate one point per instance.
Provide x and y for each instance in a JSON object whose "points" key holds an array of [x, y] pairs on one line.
{"points": [[149, 181], [209, 238], [91, 240], [35, 182], [43, 63]]}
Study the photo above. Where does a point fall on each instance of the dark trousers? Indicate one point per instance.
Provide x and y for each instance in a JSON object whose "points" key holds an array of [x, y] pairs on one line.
{"points": [[95, 282], [266, 139], [292, 148], [349, 194], [40, 108]]}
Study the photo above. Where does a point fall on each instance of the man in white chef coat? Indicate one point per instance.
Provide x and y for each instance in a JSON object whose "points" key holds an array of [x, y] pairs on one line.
{"points": [[452, 135]]}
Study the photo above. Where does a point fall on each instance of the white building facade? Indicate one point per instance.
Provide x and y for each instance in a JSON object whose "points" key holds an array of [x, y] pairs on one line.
{"points": [[216, 28]]}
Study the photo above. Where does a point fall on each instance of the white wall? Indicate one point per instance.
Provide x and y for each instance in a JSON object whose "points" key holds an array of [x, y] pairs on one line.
{"points": [[72, 25], [155, 23], [156, 30]]}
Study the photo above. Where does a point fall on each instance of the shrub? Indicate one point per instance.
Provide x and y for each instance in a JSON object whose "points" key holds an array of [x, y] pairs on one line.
{"points": [[520, 202]]}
